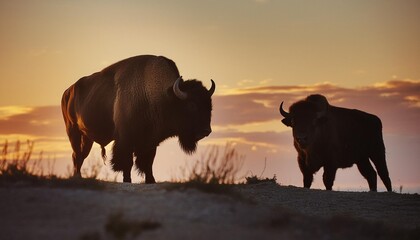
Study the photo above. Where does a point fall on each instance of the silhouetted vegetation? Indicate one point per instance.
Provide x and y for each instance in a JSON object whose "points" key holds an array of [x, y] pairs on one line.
{"points": [[216, 169], [215, 172], [254, 179], [18, 165]]}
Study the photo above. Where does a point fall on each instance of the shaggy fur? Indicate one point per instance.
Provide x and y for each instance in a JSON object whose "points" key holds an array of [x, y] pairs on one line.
{"points": [[133, 103]]}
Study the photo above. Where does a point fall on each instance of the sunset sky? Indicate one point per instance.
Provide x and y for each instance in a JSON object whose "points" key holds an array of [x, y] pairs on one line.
{"points": [[360, 54]]}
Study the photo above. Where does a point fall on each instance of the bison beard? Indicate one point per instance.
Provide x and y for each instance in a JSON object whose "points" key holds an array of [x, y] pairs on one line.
{"points": [[187, 144]]}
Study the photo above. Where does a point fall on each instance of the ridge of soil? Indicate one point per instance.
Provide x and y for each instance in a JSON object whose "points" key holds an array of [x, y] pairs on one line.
{"points": [[180, 211]]}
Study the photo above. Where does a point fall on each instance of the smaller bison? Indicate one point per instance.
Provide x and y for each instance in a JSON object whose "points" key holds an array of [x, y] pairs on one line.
{"points": [[334, 137]]}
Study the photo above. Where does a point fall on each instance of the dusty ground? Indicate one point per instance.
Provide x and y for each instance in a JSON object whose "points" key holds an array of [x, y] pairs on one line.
{"points": [[172, 211]]}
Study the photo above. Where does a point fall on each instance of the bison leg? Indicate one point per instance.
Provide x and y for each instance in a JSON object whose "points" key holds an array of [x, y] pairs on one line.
{"points": [[308, 176], [122, 160], [81, 146], [307, 180], [144, 163], [380, 164], [368, 172], [127, 175], [328, 177]]}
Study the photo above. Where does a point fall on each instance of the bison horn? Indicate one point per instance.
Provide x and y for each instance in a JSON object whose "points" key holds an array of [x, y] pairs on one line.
{"points": [[178, 93], [212, 88], [283, 112]]}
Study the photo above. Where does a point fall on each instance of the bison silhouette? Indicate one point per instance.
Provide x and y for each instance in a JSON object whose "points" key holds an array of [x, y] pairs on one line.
{"points": [[137, 102], [333, 137]]}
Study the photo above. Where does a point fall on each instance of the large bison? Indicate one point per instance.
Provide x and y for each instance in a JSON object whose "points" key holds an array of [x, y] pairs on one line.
{"points": [[334, 137], [137, 102]]}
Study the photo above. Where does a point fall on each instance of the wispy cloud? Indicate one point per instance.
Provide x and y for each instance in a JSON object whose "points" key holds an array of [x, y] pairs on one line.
{"points": [[37, 121], [9, 111], [395, 102]]}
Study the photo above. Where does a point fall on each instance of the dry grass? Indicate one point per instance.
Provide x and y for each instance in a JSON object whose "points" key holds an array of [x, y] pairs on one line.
{"points": [[215, 172], [254, 179], [18, 165], [215, 168]]}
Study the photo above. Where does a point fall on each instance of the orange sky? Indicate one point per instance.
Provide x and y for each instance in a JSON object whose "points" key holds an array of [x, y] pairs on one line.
{"points": [[360, 54]]}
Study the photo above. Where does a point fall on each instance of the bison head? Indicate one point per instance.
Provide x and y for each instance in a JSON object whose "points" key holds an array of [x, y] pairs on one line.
{"points": [[195, 112], [305, 118]]}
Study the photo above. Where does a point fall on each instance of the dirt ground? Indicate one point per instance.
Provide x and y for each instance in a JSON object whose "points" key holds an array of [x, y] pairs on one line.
{"points": [[174, 211]]}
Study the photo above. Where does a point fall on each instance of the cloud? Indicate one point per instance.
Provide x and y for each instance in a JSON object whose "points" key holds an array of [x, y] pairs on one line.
{"points": [[396, 102], [36, 121], [8, 111]]}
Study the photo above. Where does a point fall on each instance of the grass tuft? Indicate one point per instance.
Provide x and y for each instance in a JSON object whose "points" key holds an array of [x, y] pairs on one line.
{"points": [[216, 172], [254, 179], [18, 165], [216, 168]]}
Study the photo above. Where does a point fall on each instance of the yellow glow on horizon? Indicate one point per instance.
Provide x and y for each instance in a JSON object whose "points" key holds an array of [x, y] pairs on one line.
{"points": [[57, 147], [274, 89], [391, 84], [39, 123], [265, 103], [8, 111], [254, 127], [413, 100], [16, 137], [238, 140]]}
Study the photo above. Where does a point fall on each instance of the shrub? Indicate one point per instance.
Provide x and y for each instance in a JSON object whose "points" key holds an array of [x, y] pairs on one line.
{"points": [[254, 179], [216, 169], [214, 172], [17, 165]]}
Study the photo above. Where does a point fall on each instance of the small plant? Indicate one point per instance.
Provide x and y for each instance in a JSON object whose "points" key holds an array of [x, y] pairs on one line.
{"points": [[254, 179], [17, 165], [214, 169], [119, 226], [214, 173]]}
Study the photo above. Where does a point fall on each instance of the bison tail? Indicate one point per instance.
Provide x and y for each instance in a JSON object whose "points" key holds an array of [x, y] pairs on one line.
{"points": [[103, 153]]}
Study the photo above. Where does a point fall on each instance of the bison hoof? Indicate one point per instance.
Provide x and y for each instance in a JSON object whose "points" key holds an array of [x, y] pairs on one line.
{"points": [[77, 175], [150, 180]]}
